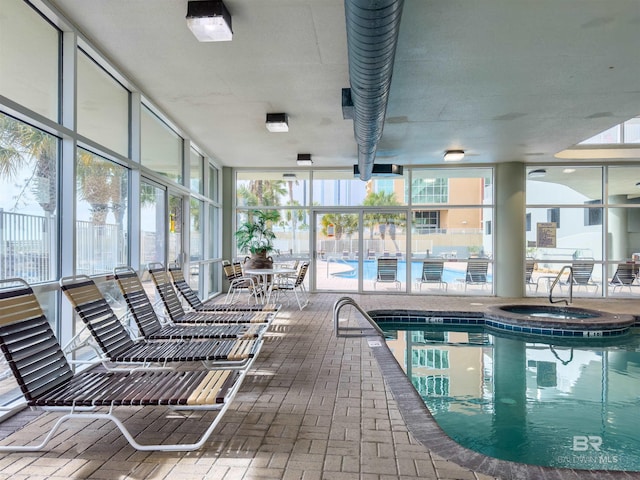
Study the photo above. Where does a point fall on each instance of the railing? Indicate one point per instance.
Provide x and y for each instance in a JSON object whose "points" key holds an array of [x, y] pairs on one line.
{"points": [[362, 331], [557, 280]]}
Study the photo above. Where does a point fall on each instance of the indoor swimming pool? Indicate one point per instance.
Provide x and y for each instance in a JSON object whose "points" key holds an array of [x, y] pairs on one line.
{"points": [[559, 402]]}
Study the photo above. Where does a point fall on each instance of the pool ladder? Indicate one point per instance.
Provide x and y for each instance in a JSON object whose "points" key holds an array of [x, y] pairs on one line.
{"points": [[340, 331], [557, 280]]}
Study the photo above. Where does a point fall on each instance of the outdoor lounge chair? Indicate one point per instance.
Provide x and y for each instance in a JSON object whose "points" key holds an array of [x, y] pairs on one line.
{"points": [[183, 288], [47, 381], [115, 346], [432, 273], [476, 273], [581, 275], [150, 327], [387, 271], [623, 277], [177, 314]]}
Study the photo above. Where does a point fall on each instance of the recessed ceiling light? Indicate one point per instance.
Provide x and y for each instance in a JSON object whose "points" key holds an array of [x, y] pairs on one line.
{"points": [[453, 155], [568, 170], [541, 172]]}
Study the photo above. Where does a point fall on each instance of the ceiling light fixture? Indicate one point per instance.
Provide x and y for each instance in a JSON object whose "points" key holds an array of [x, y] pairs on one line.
{"points": [[209, 21], [541, 172], [277, 122], [453, 155], [304, 159], [568, 170]]}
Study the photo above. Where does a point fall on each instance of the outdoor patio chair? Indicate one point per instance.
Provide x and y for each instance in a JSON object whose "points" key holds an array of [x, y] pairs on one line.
{"points": [[48, 382], [177, 314], [387, 271], [194, 302], [150, 327], [432, 273], [476, 273], [528, 274], [115, 347], [239, 283], [623, 277], [295, 285]]}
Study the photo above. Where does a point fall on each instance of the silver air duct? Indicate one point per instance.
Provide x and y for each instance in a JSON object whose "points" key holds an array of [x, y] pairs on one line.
{"points": [[372, 36]]}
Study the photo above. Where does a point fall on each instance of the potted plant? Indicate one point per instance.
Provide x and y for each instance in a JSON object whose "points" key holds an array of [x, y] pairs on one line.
{"points": [[256, 237]]}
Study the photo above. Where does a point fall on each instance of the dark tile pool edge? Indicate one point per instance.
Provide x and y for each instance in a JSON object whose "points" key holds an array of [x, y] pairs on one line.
{"points": [[426, 430], [605, 326]]}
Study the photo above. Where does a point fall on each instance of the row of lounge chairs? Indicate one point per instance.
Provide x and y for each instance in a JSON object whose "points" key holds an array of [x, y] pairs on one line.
{"points": [[581, 276], [432, 273], [139, 370]]}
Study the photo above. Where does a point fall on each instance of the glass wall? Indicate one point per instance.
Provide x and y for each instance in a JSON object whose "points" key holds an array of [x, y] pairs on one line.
{"points": [[103, 106], [152, 224], [587, 218], [101, 214], [196, 172], [28, 202], [161, 146], [29, 59], [65, 205], [430, 214], [289, 194]]}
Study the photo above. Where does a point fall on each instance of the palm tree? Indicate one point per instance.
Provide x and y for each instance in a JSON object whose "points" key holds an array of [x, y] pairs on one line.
{"points": [[99, 184], [263, 193], [378, 199], [20, 146]]}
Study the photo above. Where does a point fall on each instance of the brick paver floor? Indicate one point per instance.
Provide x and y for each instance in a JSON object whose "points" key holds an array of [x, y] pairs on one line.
{"points": [[313, 407]]}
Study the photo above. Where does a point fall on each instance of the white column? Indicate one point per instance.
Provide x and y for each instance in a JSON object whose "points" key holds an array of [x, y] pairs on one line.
{"points": [[510, 251]]}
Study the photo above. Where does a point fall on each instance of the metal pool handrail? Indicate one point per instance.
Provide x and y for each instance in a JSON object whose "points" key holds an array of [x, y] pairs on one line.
{"points": [[343, 301], [557, 280]]}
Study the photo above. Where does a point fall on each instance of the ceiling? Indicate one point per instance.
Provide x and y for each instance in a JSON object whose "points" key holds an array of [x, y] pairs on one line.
{"points": [[505, 80]]}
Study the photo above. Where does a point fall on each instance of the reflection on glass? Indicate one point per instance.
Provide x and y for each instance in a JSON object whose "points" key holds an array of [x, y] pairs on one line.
{"points": [[542, 401], [30, 59], [152, 224], [103, 106], [175, 228], [340, 187], [195, 233], [469, 186], [101, 213], [161, 147], [196, 167], [213, 183], [255, 189], [560, 185], [28, 196]]}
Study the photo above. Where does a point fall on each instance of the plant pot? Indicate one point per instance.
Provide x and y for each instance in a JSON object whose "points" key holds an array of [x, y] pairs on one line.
{"points": [[259, 260]]}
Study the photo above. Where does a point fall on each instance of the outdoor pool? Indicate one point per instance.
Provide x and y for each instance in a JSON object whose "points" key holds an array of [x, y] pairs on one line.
{"points": [[449, 275]]}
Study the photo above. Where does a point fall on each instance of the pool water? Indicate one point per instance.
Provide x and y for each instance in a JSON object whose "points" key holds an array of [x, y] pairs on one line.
{"points": [[370, 270], [561, 405], [550, 312]]}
